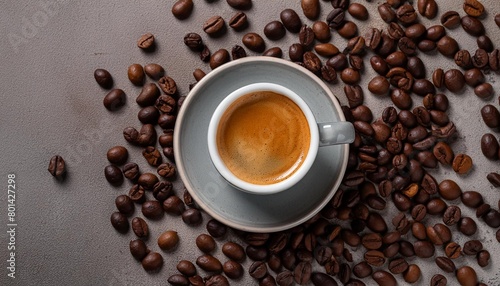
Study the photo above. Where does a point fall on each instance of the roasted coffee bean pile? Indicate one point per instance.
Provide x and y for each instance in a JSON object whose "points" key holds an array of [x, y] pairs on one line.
{"points": [[390, 161]]}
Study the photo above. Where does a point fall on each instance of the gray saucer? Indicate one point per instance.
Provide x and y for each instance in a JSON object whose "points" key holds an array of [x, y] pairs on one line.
{"points": [[237, 209]]}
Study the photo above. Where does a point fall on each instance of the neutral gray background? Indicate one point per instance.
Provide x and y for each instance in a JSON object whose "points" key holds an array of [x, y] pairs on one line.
{"points": [[52, 105]]}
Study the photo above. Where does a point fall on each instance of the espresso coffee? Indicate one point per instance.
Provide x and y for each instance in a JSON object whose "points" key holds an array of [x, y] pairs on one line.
{"points": [[263, 137]]}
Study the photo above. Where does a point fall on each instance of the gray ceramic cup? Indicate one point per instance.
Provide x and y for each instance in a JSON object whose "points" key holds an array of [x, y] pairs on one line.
{"points": [[321, 134]]}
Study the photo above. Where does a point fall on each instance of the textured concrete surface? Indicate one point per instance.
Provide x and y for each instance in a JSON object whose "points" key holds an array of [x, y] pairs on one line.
{"points": [[52, 105]]}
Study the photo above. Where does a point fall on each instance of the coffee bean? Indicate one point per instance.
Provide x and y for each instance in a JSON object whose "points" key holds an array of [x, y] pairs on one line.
{"points": [[463, 59], [473, 8], [445, 264], [234, 251], [454, 80], [483, 258], [384, 278], [467, 226], [103, 78], [217, 230], [274, 30], [257, 269], [148, 115], [310, 8], [233, 269], [196, 280], [491, 116], [438, 280], [484, 90], [114, 99], [386, 13], [338, 62], [192, 217], [494, 179], [312, 62], [209, 263], [138, 249], [285, 278], [167, 138], [406, 14], [302, 273], [168, 240], [335, 18], [326, 49], [119, 222], [373, 38], [447, 46], [240, 4], [237, 52], [378, 85], [182, 9], [146, 42], [136, 74], [398, 266], [112, 173], [254, 42], [214, 26], [418, 230], [472, 247], [137, 194], [484, 42], [466, 275], [217, 280], [147, 181], [173, 205], [152, 262], [472, 199], [374, 257], [322, 279], [480, 59], [494, 60], [492, 218], [178, 280], [205, 243], [358, 11], [238, 21], [219, 58], [306, 36], [162, 190], [152, 210], [472, 26], [57, 167], [427, 8], [350, 76], [321, 31], [348, 30], [124, 204], [450, 19], [462, 164], [154, 71], [423, 248], [412, 274], [291, 20], [205, 55], [426, 46], [140, 227], [490, 146]]}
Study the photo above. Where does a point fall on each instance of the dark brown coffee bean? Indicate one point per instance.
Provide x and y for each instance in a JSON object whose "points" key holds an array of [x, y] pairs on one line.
{"points": [[196, 281], [435, 33], [374, 257], [490, 146], [472, 247], [152, 156], [485, 43], [438, 280], [379, 65], [407, 46], [306, 36], [473, 8], [173, 205], [362, 269], [257, 269], [147, 181], [237, 52], [427, 8], [467, 226], [350, 76], [205, 54], [233, 251], [124, 204], [205, 243], [492, 218], [386, 13], [217, 280], [178, 280], [416, 67], [463, 59], [296, 52], [302, 273], [233, 269], [254, 42], [472, 199], [152, 210], [356, 45], [119, 222], [491, 116], [182, 9], [148, 115], [273, 52], [335, 18], [209, 263], [238, 21], [192, 217], [103, 78], [112, 173], [466, 275], [406, 14], [401, 99], [193, 41], [454, 80], [445, 264], [415, 31], [449, 190], [494, 179], [285, 278], [114, 99], [400, 78], [240, 4], [162, 190], [217, 230], [483, 258], [214, 26], [219, 58], [274, 30], [136, 74], [450, 19], [148, 95], [484, 90], [291, 20], [480, 59], [358, 11], [57, 168], [398, 266], [424, 249], [138, 249], [166, 104], [322, 279], [472, 26], [152, 262], [447, 46], [384, 278], [494, 60], [453, 250], [348, 30], [312, 62], [140, 227], [321, 31]]}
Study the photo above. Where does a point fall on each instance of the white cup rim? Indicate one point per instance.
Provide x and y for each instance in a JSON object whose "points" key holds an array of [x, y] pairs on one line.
{"points": [[269, 188]]}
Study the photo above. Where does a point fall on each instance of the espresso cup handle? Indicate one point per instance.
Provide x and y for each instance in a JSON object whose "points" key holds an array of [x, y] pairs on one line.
{"points": [[333, 133]]}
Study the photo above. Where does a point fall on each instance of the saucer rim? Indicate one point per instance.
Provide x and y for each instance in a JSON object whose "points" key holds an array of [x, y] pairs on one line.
{"points": [[178, 147]]}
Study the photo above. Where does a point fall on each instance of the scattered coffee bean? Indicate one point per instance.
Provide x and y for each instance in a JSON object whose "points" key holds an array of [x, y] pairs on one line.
{"points": [[173, 205], [462, 164], [386, 13], [138, 249], [347, 30], [120, 222], [450, 19], [209, 263], [57, 167], [103, 78], [454, 80], [136, 74], [140, 227], [147, 181], [274, 30], [112, 173], [233, 269], [168, 240], [483, 258], [473, 8], [219, 58], [472, 26], [152, 262], [310, 8], [240, 4], [466, 275], [358, 11], [447, 46], [427, 8], [321, 31], [114, 99], [384, 278], [146, 41], [291, 20], [215, 26], [491, 116], [182, 9], [446, 264], [494, 179], [238, 21], [152, 210], [335, 18], [467, 226], [192, 217]]}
